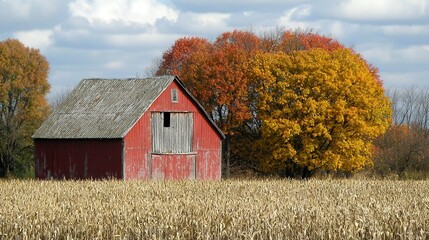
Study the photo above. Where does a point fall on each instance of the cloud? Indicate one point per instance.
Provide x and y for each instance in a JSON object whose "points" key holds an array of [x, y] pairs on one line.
{"points": [[383, 10], [21, 9], [23, 15], [398, 79], [393, 30], [40, 39], [292, 17], [233, 6], [208, 25], [416, 56], [204, 20], [124, 41], [115, 65], [133, 41], [127, 12]]}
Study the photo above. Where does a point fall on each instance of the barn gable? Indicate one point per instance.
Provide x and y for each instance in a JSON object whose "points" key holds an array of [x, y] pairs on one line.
{"points": [[106, 108]]}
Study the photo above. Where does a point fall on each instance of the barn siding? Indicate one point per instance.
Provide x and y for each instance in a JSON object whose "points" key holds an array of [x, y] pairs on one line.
{"points": [[78, 158], [206, 140], [208, 150], [173, 166], [137, 150]]}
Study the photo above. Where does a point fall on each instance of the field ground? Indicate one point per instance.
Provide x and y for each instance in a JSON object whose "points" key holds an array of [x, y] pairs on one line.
{"points": [[233, 209]]}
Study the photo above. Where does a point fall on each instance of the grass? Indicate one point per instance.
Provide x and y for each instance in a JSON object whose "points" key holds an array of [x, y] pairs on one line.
{"points": [[234, 209]]}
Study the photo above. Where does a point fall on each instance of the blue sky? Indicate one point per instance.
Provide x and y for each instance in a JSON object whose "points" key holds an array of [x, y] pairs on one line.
{"points": [[121, 38]]}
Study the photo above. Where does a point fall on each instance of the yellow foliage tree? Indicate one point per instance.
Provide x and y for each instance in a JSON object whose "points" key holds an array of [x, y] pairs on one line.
{"points": [[319, 110], [23, 105]]}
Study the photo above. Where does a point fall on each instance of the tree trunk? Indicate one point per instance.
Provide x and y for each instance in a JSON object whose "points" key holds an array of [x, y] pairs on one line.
{"points": [[226, 156], [4, 168], [306, 173]]}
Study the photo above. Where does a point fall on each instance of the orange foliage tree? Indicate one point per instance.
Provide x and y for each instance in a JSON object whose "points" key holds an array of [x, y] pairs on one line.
{"points": [[215, 74], [319, 110], [23, 105]]}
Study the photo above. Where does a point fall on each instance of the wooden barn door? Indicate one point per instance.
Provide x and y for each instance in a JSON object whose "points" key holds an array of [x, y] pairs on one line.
{"points": [[172, 156], [172, 132]]}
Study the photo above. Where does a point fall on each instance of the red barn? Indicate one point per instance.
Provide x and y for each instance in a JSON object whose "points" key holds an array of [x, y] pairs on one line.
{"points": [[149, 128]]}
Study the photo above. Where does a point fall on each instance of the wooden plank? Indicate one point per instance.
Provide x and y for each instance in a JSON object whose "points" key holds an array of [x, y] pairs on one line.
{"points": [[177, 137]]}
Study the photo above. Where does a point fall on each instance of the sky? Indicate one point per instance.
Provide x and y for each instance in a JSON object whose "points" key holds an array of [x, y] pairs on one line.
{"points": [[123, 38]]}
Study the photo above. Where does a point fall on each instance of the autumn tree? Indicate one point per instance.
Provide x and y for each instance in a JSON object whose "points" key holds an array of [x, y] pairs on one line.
{"points": [[23, 105], [215, 73], [175, 61], [319, 110]]}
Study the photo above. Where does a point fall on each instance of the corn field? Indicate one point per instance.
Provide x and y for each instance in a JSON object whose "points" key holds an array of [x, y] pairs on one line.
{"points": [[233, 209]]}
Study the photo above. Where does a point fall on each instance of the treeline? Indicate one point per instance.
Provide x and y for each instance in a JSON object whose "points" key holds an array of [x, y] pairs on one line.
{"points": [[291, 103], [403, 151]]}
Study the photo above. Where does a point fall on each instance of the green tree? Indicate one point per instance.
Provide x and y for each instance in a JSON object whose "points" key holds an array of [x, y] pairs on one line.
{"points": [[319, 110], [23, 105]]}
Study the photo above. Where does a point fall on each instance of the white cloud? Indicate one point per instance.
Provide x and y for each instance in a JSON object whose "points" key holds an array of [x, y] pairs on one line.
{"points": [[383, 9], [21, 9], [125, 11], [415, 54], [405, 29], [398, 79], [115, 65], [208, 24], [380, 54], [149, 40], [40, 39], [389, 57], [23, 15], [209, 19], [292, 17], [248, 13]]}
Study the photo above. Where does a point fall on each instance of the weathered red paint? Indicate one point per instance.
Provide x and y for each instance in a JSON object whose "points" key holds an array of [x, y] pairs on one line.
{"points": [[131, 157], [173, 166], [206, 143], [78, 158]]}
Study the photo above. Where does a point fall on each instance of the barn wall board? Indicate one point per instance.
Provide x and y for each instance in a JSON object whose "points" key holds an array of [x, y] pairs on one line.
{"points": [[78, 158]]}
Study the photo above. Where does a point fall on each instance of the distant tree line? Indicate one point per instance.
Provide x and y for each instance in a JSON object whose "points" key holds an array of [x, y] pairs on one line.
{"points": [[291, 103], [403, 151]]}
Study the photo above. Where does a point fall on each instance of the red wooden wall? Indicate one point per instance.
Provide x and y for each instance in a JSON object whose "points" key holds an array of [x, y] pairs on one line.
{"points": [[78, 158], [139, 163]]}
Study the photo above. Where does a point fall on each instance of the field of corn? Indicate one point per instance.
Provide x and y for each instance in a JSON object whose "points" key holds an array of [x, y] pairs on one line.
{"points": [[232, 209]]}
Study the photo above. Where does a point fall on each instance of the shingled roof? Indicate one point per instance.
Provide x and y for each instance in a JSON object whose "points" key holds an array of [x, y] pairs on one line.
{"points": [[106, 108]]}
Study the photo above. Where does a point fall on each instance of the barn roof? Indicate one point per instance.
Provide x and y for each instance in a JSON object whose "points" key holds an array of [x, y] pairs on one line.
{"points": [[106, 108]]}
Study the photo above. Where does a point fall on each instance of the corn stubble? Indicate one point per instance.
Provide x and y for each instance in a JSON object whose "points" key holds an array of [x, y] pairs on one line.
{"points": [[271, 209]]}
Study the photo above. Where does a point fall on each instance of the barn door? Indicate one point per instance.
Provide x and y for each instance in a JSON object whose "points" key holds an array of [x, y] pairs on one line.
{"points": [[172, 132], [172, 156]]}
